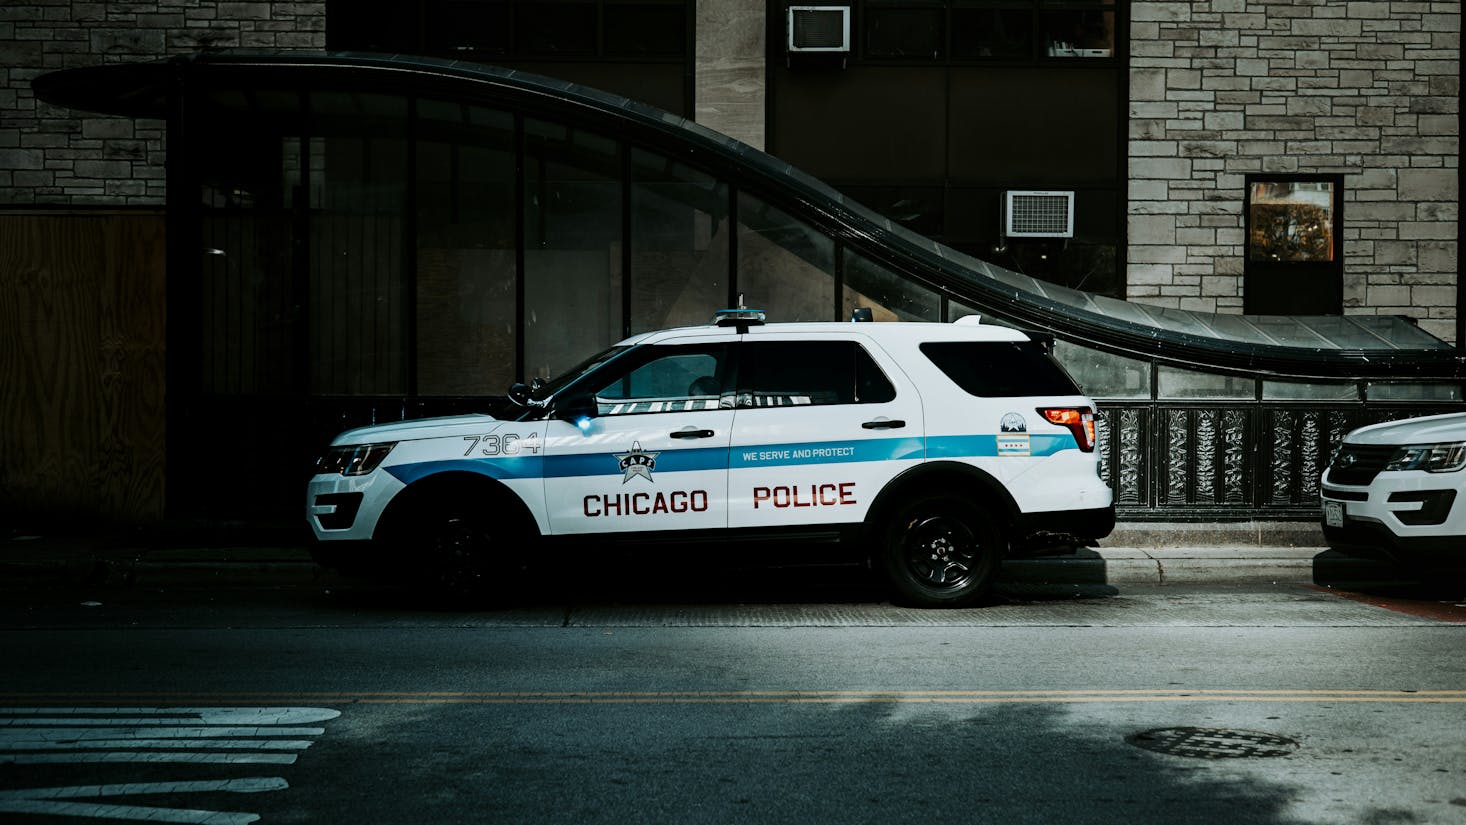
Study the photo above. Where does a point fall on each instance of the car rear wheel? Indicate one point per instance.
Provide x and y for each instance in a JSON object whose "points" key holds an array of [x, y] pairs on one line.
{"points": [[940, 551]]}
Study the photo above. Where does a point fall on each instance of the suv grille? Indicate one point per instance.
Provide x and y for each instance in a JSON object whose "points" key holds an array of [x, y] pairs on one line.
{"points": [[1357, 464]]}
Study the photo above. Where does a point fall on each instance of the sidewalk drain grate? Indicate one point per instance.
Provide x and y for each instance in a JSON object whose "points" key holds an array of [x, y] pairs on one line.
{"points": [[1213, 743]]}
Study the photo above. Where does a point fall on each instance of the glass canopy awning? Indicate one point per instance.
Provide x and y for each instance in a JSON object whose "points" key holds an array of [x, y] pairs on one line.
{"points": [[1354, 347]]}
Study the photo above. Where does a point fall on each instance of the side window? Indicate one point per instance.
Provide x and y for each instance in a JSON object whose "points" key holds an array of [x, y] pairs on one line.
{"points": [[798, 373], [671, 379], [999, 369]]}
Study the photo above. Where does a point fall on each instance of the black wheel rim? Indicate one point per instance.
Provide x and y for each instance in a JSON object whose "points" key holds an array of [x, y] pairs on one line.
{"points": [[942, 553], [461, 549]]}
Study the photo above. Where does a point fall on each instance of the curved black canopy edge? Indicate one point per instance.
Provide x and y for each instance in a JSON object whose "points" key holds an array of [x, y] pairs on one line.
{"points": [[149, 89]]}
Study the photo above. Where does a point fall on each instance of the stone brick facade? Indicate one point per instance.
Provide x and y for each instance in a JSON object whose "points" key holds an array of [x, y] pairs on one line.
{"points": [[1369, 90], [57, 156]]}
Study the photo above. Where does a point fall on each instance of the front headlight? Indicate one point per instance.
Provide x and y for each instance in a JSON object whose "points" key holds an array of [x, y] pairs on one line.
{"points": [[354, 459], [1433, 458]]}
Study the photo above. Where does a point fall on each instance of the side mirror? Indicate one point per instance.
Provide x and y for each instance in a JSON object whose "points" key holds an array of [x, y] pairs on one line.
{"points": [[575, 408], [524, 394]]}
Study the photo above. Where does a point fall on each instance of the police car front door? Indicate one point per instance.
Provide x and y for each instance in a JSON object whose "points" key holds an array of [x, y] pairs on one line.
{"points": [[654, 457], [821, 427]]}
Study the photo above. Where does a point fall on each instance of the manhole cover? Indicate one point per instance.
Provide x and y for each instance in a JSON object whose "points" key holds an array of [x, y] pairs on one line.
{"points": [[1213, 743]]}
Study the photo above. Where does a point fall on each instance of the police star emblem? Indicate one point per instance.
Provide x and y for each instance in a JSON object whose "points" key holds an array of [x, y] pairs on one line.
{"points": [[637, 463]]}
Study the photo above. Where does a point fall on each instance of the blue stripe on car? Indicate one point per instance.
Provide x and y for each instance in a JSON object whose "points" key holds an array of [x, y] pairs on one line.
{"points": [[712, 458]]}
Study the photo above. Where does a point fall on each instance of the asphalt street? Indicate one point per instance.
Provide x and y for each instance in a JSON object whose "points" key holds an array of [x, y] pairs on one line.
{"points": [[772, 698]]}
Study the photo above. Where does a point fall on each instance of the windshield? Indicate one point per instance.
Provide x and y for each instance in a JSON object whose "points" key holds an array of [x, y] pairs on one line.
{"points": [[563, 380]]}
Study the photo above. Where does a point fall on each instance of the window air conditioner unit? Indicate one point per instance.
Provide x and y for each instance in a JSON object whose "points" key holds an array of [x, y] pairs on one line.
{"points": [[819, 29], [1028, 214]]}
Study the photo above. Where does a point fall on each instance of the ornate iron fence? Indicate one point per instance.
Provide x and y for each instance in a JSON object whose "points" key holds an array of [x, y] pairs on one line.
{"points": [[1227, 460]]}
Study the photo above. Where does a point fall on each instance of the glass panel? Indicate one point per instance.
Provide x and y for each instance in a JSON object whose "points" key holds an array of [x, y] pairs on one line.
{"points": [[1079, 33], [785, 266], [1103, 375], [465, 250], [572, 247], [247, 315], [1291, 221], [647, 30], [679, 244], [903, 32], [797, 373], [358, 171], [1004, 34], [1413, 392], [685, 378], [1182, 384], [996, 369], [891, 297], [551, 28], [1296, 391], [467, 27]]}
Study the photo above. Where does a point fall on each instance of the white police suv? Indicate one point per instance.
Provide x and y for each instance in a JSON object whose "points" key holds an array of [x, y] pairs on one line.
{"points": [[932, 450], [1398, 490]]}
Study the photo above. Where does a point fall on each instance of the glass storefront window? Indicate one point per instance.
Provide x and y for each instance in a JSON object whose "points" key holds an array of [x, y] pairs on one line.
{"points": [[1291, 221], [1298, 391], [1179, 384], [679, 244], [1413, 392], [890, 297], [1102, 374], [465, 250], [572, 246], [785, 266], [357, 162]]}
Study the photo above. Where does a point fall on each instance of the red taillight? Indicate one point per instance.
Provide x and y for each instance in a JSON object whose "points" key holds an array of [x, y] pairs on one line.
{"points": [[1079, 420]]}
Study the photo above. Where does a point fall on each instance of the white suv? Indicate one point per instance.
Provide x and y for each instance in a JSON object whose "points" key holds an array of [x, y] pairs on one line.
{"points": [[933, 450], [1398, 489]]}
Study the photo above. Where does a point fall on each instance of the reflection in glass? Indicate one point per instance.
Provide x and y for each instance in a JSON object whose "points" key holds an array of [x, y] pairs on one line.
{"points": [[1413, 392], [785, 266], [1103, 375], [572, 246], [1291, 221], [465, 250], [679, 244], [357, 163], [891, 297], [1175, 383], [1299, 391]]}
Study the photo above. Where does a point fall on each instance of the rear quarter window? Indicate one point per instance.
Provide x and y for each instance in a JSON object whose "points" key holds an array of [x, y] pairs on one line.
{"points": [[1000, 369]]}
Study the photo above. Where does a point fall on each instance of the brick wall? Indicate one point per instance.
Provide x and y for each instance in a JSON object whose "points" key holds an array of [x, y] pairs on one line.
{"points": [[50, 155], [1370, 90]]}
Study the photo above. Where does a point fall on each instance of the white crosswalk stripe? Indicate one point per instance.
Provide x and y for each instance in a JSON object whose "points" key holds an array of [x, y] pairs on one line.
{"points": [[149, 735]]}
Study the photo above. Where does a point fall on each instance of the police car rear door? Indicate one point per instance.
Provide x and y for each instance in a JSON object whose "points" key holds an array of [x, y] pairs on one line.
{"points": [[822, 425], [654, 456]]}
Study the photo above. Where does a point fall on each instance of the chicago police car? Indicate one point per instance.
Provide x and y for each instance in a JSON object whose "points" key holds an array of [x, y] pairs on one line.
{"points": [[933, 450], [1398, 489]]}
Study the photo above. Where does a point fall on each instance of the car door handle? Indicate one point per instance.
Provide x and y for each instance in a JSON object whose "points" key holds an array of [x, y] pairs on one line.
{"points": [[884, 424], [690, 433]]}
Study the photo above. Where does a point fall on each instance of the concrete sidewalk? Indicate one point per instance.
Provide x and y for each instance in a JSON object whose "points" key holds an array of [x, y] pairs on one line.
{"points": [[1136, 553]]}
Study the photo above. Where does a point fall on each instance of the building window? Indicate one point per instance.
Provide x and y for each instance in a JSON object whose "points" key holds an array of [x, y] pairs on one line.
{"points": [[1290, 220], [1294, 230]]}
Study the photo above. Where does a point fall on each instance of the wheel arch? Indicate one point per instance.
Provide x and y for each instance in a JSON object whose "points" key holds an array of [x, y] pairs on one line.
{"points": [[447, 488], [943, 476]]}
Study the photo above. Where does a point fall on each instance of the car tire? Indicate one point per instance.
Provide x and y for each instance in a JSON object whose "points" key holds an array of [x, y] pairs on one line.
{"points": [[940, 551], [467, 556]]}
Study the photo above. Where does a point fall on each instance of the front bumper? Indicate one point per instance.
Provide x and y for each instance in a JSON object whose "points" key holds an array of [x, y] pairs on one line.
{"points": [[1406, 516]]}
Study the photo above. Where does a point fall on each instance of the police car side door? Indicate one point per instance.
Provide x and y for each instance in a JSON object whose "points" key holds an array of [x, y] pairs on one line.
{"points": [[654, 456], [821, 426]]}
